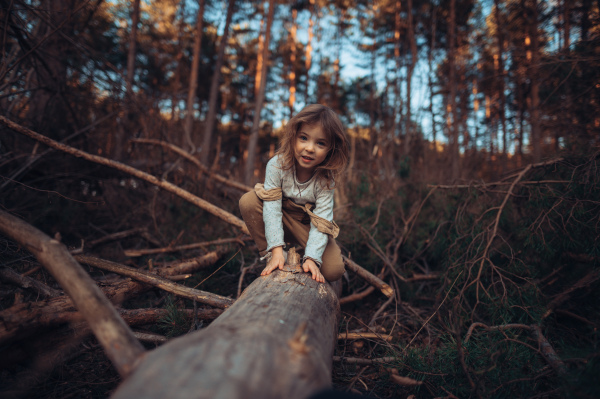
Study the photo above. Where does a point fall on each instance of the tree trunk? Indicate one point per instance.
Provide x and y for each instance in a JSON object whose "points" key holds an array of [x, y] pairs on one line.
{"points": [[292, 75], [411, 67], [135, 17], [214, 89], [260, 98], [536, 136], [500, 73], [275, 341], [452, 112], [189, 116]]}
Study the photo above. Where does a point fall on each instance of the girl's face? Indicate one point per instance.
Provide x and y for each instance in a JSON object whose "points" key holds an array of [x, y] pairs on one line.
{"points": [[310, 148]]}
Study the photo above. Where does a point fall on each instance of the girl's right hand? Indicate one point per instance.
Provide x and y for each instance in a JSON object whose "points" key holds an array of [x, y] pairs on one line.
{"points": [[277, 261]]}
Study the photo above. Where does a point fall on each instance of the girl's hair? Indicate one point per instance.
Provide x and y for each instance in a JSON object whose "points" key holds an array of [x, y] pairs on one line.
{"points": [[337, 157]]}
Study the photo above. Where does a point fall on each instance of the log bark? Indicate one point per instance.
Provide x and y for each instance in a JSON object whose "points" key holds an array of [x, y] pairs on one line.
{"points": [[276, 341], [122, 348]]}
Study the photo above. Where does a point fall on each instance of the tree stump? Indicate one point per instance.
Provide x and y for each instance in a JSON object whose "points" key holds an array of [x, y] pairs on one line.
{"points": [[275, 341]]}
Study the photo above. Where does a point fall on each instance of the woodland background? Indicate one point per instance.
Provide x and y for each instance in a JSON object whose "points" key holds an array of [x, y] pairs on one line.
{"points": [[472, 187]]}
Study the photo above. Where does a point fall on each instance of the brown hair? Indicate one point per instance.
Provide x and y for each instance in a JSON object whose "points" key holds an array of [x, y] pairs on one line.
{"points": [[337, 157]]}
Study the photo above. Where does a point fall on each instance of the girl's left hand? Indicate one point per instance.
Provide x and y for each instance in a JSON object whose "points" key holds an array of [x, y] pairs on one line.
{"points": [[310, 265]]}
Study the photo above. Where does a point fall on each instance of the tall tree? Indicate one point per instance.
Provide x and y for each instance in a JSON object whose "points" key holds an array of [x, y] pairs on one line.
{"points": [[189, 116], [214, 89], [499, 69], [412, 45], [253, 141], [532, 41], [135, 18], [452, 114]]}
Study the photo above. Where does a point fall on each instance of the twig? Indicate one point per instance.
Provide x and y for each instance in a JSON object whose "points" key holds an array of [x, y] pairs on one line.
{"points": [[493, 328], [358, 296], [548, 351], [154, 338], [192, 265], [357, 360], [162, 283], [498, 183], [585, 281], [141, 252], [381, 309], [434, 313], [363, 335]]}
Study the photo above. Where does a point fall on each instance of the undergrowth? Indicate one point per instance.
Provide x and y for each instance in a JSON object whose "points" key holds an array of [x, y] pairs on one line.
{"points": [[511, 257]]}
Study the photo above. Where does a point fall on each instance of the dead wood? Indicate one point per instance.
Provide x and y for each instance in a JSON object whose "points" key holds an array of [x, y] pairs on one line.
{"points": [[156, 281], [358, 360], [548, 351], [192, 159], [369, 277], [153, 338], [9, 275], [142, 231], [561, 298], [22, 320], [170, 187], [364, 335], [192, 265], [358, 296], [122, 348], [141, 252], [282, 328]]}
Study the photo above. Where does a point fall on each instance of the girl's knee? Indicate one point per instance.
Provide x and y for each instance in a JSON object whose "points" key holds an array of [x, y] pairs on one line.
{"points": [[248, 202], [333, 271]]}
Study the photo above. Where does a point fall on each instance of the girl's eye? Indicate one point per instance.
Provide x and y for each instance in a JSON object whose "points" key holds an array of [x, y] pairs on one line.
{"points": [[322, 144]]}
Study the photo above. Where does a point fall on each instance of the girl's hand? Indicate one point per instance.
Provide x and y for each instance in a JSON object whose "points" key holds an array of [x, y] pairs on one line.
{"points": [[310, 265], [277, 261]]}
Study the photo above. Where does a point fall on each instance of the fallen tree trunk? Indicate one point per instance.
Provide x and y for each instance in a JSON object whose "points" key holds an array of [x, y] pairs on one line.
{"points": [[275, 341]]}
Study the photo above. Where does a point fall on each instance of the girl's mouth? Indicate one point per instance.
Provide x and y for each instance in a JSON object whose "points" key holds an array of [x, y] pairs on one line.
{"points": [[306, 159]]}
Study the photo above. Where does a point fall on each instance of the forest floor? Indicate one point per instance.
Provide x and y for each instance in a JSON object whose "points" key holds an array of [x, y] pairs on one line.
{"points": [[494, 282]]}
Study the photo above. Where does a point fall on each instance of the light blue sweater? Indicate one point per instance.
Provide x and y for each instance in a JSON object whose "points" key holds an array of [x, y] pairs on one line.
{"points": [[301, 193]]}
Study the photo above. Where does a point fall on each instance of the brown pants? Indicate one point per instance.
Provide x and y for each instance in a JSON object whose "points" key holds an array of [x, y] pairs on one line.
{"points": [[296, 226]]}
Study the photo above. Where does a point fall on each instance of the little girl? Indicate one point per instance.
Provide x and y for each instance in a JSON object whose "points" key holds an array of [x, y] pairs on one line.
{"points": [[295, 204]]}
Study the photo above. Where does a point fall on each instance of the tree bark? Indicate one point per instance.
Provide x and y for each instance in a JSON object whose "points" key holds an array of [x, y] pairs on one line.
{"points": [[260, 98], [276, 341], [214, 89], [189, 116], [122, 348]]}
